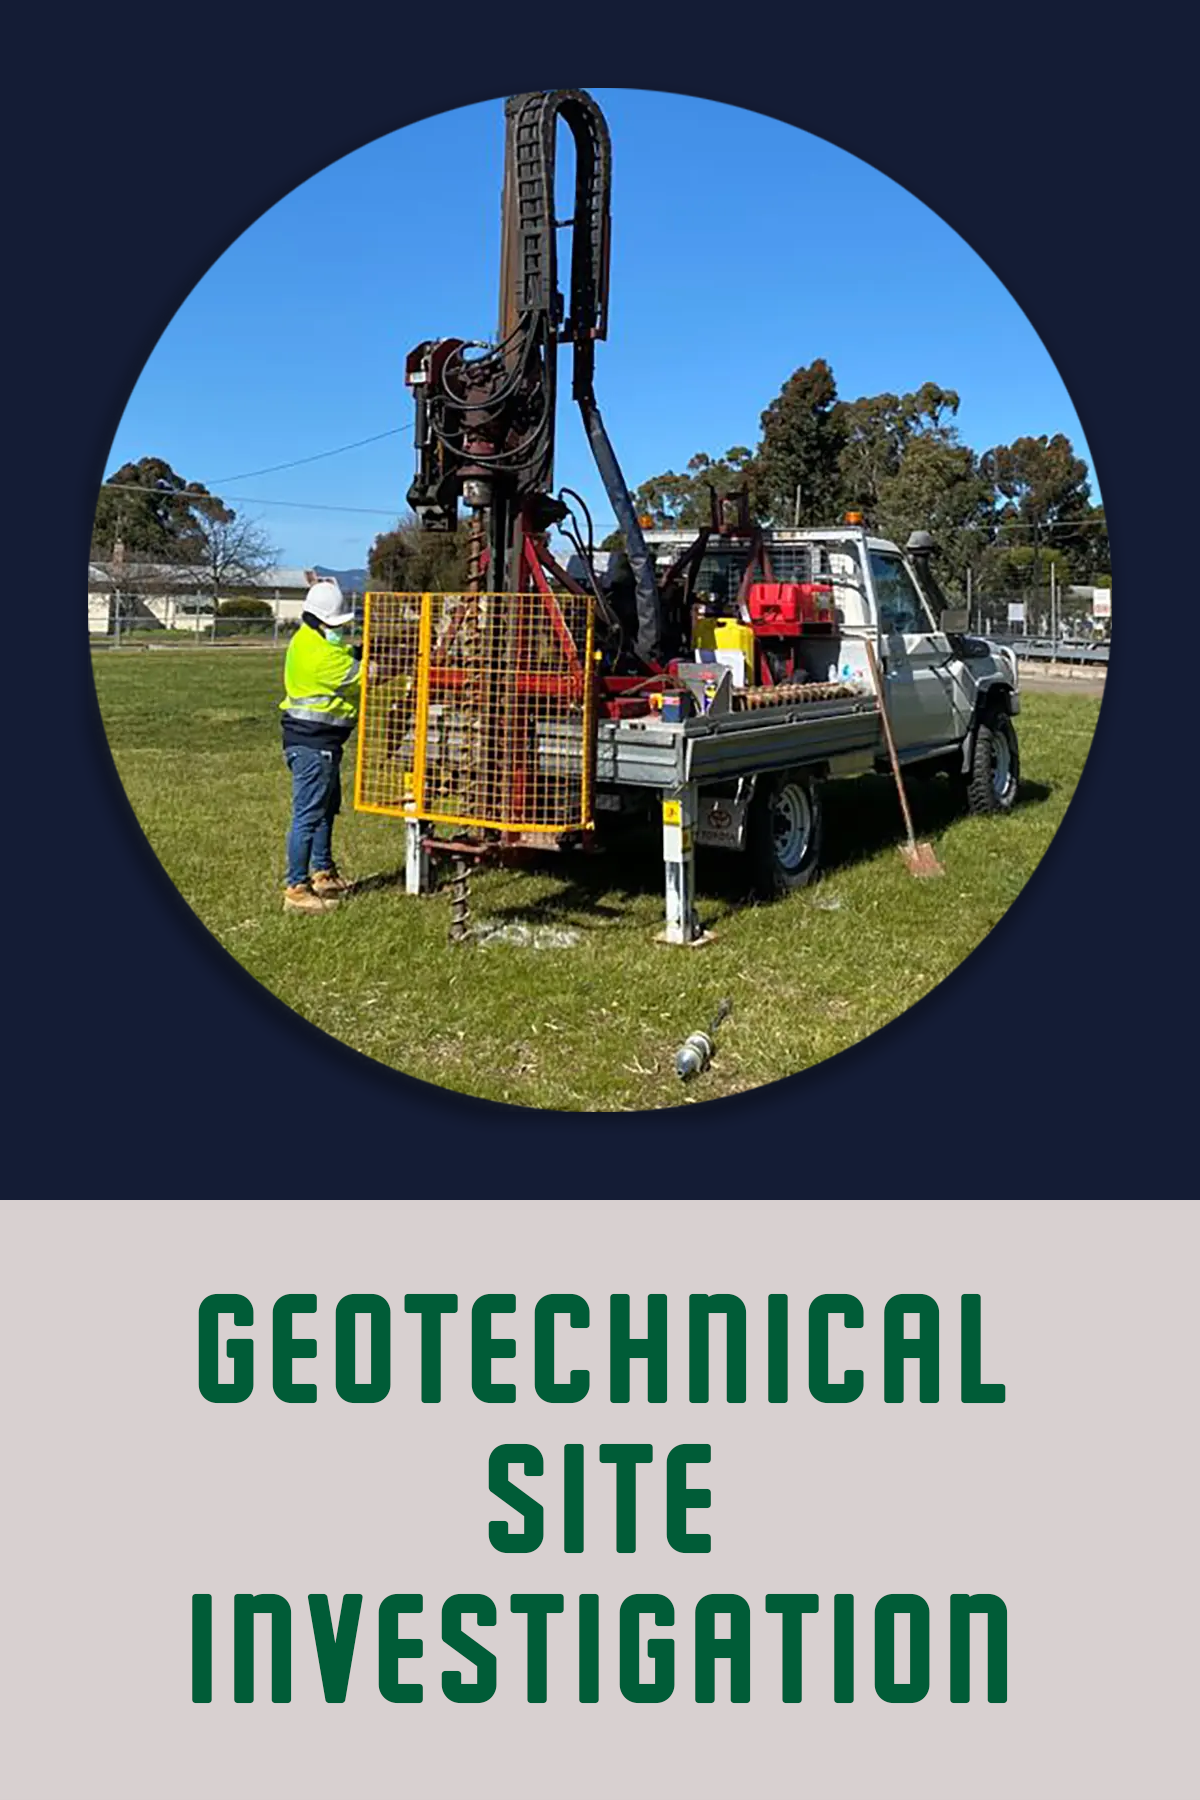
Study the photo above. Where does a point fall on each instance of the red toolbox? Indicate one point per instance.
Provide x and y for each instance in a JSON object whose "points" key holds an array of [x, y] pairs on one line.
{"points": [[787, 608]]}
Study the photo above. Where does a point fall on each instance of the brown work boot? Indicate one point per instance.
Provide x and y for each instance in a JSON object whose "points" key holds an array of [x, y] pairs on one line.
{"points": [[302, 899], [329, 883]]}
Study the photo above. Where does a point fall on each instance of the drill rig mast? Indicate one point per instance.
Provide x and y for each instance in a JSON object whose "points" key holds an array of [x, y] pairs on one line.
{"points": [[485, 413]]}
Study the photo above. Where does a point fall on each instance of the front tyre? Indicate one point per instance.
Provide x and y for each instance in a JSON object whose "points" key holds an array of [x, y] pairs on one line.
{"points": [[784, 834], [995, 766]]}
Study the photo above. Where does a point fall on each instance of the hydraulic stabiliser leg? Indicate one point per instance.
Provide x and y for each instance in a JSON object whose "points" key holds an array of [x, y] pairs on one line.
{"points": [[679, 861], [416, 859]]}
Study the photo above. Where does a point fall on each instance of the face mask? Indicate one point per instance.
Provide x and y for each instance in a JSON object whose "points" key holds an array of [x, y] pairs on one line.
{"points": [[333, 637]]}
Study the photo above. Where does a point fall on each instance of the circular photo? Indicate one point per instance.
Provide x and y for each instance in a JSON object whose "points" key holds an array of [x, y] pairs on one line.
{"points": [[613, 648]]}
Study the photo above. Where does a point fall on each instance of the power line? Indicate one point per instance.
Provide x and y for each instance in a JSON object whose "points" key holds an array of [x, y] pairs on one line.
{"points": [[383, 512], [392, 512], [1053, 525], [134, 487], [251, 474]]}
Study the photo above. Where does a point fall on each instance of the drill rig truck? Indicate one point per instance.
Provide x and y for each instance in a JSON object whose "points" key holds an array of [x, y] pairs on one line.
{"points": [[720, 678]]}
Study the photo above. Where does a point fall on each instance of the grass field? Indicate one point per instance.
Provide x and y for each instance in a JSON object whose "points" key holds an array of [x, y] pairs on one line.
{"points": [[593, 1027]]}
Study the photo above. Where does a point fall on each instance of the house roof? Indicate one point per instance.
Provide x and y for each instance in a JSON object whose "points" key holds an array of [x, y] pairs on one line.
{"points": [[141, 574], [284, 578], [175, 575]]}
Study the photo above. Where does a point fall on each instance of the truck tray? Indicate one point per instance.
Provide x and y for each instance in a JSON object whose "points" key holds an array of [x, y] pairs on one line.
{"points": [[649, 753]]}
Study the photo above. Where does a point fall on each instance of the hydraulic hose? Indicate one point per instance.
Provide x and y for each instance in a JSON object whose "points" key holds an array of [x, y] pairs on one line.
{"points": [[648, 643]]}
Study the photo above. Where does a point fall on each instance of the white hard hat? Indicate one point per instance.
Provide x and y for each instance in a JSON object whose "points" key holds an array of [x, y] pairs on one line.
{"points": [[327, 602]]}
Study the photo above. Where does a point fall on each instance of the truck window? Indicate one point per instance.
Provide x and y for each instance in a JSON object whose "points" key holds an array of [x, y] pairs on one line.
{"points": [[848, 597], [901, 608]]}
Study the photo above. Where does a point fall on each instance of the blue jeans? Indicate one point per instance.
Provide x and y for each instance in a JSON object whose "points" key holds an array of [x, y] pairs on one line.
{"points": [[316, 800]]}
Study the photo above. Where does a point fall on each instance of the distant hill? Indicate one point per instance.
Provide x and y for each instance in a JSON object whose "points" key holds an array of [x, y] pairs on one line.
{"points": [[351, 581]]}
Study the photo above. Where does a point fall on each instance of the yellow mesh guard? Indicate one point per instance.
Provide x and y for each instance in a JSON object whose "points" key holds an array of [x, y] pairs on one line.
{"points": [[478, 710]]}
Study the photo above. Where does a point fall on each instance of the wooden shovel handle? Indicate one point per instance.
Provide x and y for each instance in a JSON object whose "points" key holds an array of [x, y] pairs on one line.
{"points": [[880, 695]]}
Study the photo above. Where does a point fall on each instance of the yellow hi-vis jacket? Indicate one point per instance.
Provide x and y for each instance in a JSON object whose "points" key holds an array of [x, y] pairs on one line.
{"points": [[323, 681]]}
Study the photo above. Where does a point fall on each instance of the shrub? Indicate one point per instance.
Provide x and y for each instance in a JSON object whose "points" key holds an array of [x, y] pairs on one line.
{"points": [[245, 608]]}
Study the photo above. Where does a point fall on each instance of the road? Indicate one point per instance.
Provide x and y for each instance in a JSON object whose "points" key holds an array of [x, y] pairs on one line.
{"points": [[1033, 677]]}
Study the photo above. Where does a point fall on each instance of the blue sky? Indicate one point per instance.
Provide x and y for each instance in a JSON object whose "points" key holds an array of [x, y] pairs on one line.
{"points": [[742, 248]]}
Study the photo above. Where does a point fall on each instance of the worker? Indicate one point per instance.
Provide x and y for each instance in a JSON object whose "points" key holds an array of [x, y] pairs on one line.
{"points": [[323, 679]]}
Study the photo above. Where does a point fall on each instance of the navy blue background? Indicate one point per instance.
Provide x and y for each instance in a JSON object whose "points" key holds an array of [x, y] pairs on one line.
{"points": [[1025, 1073]]}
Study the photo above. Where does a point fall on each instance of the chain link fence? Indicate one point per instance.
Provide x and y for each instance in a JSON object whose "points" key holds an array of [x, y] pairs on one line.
{"points": [[128, 628]]}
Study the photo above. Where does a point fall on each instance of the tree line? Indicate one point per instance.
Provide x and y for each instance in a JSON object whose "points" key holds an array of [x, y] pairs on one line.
{"points": [[898, 459], [156, 533], [1006, 515]]}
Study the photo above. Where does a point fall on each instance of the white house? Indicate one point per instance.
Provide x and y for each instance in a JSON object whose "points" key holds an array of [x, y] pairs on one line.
{"points": [[164, 594]]}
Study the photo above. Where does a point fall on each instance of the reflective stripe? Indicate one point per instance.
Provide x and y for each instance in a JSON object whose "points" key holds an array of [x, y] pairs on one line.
{"points": [[331, 674]]}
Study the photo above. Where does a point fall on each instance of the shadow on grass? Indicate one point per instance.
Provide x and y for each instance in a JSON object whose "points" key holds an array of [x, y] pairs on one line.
{"points": [[862, 817], [593, 891], [374, 884]]}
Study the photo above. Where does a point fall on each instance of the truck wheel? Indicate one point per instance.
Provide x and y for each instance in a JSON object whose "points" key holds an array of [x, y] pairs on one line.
{"points": [[784, 833], [995, 766]]}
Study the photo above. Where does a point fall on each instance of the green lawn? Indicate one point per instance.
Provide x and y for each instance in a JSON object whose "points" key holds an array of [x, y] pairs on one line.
{"points": [[593, 1027]]}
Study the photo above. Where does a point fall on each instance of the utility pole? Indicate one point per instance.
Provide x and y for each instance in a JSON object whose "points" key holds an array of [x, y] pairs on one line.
{"points": [[117, 564], [796, 509]]}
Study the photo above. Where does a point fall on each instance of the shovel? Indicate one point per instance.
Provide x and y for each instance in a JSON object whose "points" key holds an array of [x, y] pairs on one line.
{"points": [[920, 857]]}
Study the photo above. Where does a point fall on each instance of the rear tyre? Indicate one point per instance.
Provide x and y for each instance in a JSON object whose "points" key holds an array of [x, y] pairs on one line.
{"points": [[784, 834], [995, 766]]}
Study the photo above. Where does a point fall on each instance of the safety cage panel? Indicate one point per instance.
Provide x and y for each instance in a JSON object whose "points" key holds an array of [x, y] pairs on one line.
{"points": [[478, 710]]}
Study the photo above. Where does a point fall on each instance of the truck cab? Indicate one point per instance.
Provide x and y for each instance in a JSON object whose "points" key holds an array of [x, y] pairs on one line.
{"points": [[951, 697], [938, 676]]}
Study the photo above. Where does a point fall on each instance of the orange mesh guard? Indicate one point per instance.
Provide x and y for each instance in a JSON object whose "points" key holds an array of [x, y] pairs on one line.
{"points": [[478, 710]]}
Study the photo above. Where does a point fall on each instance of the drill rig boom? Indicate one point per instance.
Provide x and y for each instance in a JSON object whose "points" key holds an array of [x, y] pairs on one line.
{"points": [[485, 413]]}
